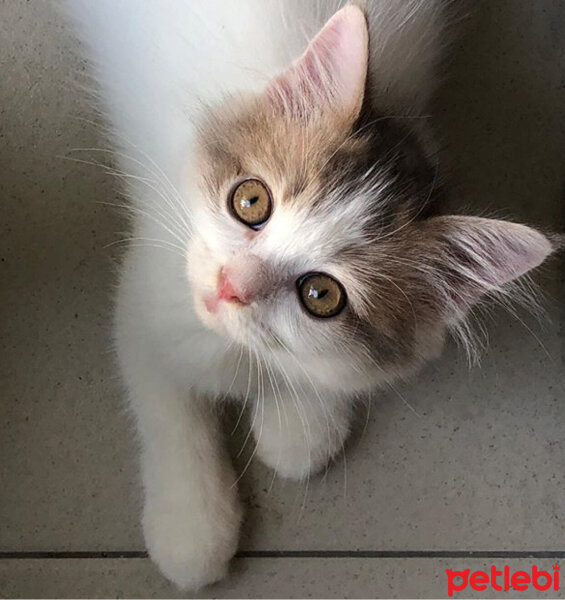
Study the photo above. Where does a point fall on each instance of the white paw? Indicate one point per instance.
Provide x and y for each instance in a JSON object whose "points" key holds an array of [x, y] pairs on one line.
{"points": [[292, 460], [192, 546], [298, 445]]}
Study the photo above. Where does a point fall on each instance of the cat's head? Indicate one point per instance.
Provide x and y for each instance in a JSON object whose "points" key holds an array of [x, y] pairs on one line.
{"points": [[315, 245]]}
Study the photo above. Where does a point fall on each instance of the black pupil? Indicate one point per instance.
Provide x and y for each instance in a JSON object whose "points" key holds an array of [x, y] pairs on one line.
{"points": [[251, 201], [316, 294]]}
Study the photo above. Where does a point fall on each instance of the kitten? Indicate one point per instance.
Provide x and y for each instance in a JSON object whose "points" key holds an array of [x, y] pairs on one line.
{"points": [[287, 250]]}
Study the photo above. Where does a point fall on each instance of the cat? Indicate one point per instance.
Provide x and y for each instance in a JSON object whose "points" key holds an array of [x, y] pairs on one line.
{"points": [[288, 250]]}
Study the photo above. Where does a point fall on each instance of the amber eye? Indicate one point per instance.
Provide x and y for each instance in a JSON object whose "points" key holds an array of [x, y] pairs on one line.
{"points": [[251, 203], [321, 295]]}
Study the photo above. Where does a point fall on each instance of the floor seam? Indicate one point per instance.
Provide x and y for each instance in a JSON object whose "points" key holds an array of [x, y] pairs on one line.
{"points": [[376, 554]]}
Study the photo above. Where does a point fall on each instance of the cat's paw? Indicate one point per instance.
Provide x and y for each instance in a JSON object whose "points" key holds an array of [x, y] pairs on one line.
{"points": [[297, 444], [291, 459], [192, 547], [292, 454]]}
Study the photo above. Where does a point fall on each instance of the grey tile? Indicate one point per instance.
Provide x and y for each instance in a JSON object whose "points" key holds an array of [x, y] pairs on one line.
{"points": [[454, 459], [66, 451], [264, 578]]}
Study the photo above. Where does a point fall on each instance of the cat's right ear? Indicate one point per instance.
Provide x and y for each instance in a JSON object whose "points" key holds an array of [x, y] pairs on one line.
{"points": [[330, 76]]}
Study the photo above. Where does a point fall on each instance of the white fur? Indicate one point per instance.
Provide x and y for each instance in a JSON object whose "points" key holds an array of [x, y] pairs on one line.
{"points": [[155, 62]]}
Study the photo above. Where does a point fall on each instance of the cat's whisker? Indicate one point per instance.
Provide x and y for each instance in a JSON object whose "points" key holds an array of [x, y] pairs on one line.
{"points": [[247, 392], [260, 402], [110, 170], [181, 250], [368, 401], [160, 171], [163, 176], [167, 243], [172, 225], [404, 401], [153, 218], [275, 393], [119, 173], [239, 358], [184, 226], [155, 246]]}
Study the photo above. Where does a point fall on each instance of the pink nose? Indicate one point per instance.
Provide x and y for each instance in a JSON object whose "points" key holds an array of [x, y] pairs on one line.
{"points": [[227, 290]]}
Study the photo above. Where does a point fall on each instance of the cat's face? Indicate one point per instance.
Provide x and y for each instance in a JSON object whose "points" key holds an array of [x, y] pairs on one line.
{"points": [[296, 246], [313, 244]]}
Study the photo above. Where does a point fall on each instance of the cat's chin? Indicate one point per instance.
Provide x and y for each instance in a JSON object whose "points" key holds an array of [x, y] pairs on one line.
{"points": [[221, 318]]}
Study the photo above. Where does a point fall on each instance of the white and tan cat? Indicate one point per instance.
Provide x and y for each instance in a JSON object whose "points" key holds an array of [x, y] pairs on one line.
{"points": [[286, 249]]}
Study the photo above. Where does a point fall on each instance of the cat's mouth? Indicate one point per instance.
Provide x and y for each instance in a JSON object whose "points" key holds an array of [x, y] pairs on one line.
{"points": [[236, 320], [214, 303], [220, 315]]}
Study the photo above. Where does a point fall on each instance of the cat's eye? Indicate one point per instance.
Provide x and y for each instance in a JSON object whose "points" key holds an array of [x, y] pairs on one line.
{"points": [[251, 203], [321, 295]]}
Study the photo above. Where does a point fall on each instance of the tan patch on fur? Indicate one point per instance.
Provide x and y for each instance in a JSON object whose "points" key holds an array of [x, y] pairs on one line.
{"points": [[254, 139]]}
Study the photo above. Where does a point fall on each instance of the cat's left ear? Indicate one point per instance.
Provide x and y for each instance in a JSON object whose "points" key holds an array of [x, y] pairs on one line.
{"points": [[470, 257], [331, 74]]}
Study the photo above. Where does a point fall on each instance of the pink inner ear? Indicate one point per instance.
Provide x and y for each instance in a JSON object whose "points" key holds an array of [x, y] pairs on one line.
{"points": [[482, 255], [502, 251], [332, 71]]}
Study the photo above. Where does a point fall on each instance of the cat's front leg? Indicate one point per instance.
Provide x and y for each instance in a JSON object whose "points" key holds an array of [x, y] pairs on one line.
{"points": [[191, 514], [297, 432]]}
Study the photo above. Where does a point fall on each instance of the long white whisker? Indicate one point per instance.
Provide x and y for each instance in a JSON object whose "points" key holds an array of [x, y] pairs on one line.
{"points": [[179, 207]]}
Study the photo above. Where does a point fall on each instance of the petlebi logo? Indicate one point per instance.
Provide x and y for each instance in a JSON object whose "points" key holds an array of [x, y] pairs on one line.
{"points": [[503, 580]]}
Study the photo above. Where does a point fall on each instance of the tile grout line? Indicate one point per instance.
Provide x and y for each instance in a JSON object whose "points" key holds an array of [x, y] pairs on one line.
{"points": [[399, 554]]}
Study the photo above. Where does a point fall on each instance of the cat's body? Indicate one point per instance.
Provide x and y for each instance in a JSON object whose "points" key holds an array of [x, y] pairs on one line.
{"points": [[194, 99]]}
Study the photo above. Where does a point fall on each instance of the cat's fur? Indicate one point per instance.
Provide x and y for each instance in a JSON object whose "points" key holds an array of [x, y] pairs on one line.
{"points": [[202, 93]]}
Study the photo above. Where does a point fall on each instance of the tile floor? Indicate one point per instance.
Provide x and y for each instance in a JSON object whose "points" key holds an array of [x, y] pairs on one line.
{"points": [[457, 460]]}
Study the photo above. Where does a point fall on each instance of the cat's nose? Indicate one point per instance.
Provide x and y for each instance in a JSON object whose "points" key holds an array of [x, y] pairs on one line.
{"points": [[243, 279], [231, 291]]}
